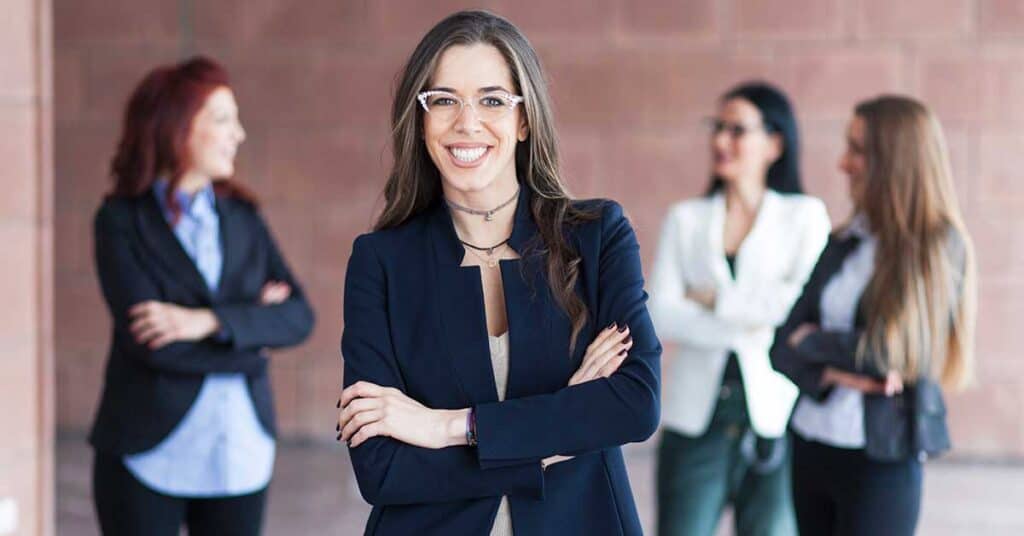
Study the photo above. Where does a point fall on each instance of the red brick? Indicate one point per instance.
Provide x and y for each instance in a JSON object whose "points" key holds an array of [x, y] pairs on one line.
{"points": [[975, 418], [644, 86], [1003, 84], [999, 176], [823, 144], [18, 43], [326, 165], [916, 18], [280, 21], [797, 19], [826, 84], [82, 164], [587, 18], [996, 239], [315, 86], [19, 153], [686, 18], [113, 71], [952, 85], [120, 21], [1001, 17], [68, 83], [19, 383], [19, 281], [412, 20]]}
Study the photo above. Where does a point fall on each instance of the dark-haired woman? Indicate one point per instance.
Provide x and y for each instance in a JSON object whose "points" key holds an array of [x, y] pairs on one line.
{"points": [[497, 346], [729, 266], [196, 289], [885, 319]]}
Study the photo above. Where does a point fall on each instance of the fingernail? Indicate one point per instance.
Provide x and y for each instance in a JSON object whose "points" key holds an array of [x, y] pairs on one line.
{"points": [[622, 328], [338, 405], [622, 353], [610, 326], [338, 438], [629, 340], [337, 427]]}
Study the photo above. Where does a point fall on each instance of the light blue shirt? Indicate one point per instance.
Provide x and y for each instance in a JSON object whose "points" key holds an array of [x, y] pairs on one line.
{"points": [[219, 448]]}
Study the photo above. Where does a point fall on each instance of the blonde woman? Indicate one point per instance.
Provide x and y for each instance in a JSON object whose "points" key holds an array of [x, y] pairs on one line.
{"points": [[729, 266], [887, 316]]}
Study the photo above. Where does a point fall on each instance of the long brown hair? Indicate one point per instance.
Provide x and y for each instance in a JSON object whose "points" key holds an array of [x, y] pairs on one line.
{"points": [[415, 182], [156, 127], [920, 303]]}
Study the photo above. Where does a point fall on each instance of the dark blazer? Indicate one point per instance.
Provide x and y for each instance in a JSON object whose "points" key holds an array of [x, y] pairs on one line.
{"points": [[138, 258], [414, 320], [910, 424]]}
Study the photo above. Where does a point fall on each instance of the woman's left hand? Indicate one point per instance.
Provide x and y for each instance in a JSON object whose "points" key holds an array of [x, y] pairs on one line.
{"points": [[800, 333], [157, 324], [369, 410]]}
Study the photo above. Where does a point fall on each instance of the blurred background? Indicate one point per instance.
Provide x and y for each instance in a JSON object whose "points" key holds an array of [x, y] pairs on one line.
{"points": [[631, 81]]}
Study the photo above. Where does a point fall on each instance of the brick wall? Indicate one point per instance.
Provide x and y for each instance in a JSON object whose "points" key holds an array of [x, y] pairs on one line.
{"points": [[631, 81], [26, 228]]}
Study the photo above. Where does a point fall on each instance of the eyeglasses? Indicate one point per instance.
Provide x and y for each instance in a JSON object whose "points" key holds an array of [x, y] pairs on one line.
{"points": [[488, 107], [734, 130]]}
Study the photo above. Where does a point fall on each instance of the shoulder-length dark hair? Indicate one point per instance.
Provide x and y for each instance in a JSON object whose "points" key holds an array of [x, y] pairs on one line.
{"points": [[415, 182], [157, 123], [778, 119]]}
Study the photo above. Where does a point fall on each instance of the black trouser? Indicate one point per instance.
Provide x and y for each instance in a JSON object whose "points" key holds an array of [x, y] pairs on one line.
{"points": [[844, 493], [126, 507]]}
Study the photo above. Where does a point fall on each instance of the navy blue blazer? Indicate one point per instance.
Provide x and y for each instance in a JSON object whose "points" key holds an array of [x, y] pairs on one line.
{"points": [[415, 320], [138, 258]]}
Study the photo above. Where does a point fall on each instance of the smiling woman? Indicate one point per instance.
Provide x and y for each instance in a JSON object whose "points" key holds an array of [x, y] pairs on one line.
{"points": [[469, 407], [196, 289]]}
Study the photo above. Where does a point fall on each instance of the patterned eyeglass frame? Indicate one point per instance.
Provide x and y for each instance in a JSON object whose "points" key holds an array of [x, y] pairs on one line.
{"points": [[424, 95]]}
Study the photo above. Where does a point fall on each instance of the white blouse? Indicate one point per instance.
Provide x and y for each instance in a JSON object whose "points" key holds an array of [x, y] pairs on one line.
{"points": [[839, 419], [499, 363]]}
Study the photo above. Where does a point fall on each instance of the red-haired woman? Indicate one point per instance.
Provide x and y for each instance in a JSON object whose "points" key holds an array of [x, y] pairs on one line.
{"points": [[197, 289]]}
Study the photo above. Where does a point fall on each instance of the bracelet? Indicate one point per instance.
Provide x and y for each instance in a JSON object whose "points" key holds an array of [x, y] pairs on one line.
{"points": [[471, 427]]}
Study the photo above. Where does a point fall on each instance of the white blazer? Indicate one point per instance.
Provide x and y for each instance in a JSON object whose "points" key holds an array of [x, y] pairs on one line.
{"points": [[772, 265]]}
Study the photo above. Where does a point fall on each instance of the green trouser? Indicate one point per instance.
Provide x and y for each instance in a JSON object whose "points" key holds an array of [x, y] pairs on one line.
{"points": [[698, 476]]}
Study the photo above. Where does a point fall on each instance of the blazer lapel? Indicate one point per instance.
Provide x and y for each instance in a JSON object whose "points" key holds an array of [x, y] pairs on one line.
{"points": [[163, 245], [539, 360], [233, 235], [461, 302], [716, 249]]}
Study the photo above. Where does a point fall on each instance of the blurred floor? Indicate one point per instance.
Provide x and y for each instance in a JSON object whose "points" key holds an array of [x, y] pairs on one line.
{"points": [[314, 493]]}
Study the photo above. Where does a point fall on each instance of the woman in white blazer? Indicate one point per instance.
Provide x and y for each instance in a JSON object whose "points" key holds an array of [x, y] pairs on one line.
{"points": [[729, 266]]}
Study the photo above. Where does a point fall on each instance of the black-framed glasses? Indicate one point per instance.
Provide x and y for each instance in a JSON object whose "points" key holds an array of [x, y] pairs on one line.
{"points": [[735, 130]]}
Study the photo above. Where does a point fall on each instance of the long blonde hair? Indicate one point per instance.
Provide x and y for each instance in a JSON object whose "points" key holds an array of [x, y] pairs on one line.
{"points": [[920, 305], [415, 183]]}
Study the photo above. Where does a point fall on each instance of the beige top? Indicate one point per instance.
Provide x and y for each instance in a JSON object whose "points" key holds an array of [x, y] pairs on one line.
{"points": [[499, 363]]}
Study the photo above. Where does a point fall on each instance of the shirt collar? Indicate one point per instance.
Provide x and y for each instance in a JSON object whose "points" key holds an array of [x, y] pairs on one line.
{"points": [[857, 228], [190, 205]]}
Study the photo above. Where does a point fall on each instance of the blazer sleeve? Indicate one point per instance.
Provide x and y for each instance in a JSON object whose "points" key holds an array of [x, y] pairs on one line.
{"points": [[676, 318], [839, 348], [125, 282], [390, 471], [791, 362], [755, 305], [253, 325], [598, 414]]}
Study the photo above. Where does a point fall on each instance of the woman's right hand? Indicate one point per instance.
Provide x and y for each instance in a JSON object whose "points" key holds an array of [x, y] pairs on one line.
{"points": [[892, 385], [275, 292], [604, 355]]}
